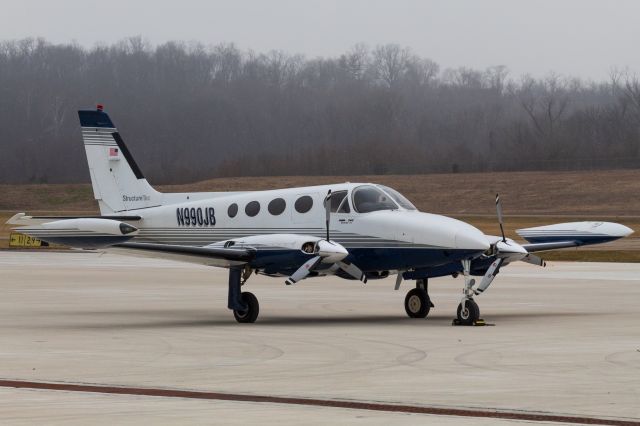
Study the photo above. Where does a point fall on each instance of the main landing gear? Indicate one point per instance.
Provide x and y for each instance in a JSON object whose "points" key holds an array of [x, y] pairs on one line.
{"points": [[417, 302], [468, 310], [245, 305]]}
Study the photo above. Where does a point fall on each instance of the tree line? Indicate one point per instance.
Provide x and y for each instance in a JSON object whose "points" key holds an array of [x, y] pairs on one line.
{"points": [[190, 112]]}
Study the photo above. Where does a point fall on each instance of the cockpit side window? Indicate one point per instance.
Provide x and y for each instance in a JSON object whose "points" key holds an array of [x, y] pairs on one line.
{"points": [[344, 206], [398, 198], [368, 198], [338, 201]]}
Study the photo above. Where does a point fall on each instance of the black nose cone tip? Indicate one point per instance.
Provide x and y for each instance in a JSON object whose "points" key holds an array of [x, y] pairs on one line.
{"points": [[127, 229]]}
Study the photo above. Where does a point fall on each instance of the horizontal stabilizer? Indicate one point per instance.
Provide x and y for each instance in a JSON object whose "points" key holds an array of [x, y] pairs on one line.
{"points": [[23, 219], [84, 233]]}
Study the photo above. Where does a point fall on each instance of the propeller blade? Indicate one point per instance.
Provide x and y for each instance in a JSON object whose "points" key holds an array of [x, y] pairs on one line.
{"points": [[534, 260], [499, 211], [327, 209], [398, 281], [489, 276], [303, 271], [353, 270]]}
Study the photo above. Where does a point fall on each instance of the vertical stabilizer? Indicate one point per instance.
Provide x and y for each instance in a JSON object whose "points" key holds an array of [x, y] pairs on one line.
{"points": [[118, 183]]}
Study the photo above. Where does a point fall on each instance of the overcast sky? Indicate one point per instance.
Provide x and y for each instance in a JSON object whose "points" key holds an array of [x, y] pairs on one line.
{"points": [[585, 38]]}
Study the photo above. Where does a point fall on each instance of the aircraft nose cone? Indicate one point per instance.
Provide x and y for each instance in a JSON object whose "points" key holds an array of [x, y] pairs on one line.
{"points": [[471, 239]]}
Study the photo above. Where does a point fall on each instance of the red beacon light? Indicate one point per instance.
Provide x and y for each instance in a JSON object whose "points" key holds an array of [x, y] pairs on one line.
{"points": [[99, 107]]}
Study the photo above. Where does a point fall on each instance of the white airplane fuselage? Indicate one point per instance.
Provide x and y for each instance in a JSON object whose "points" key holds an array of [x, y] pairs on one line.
{"points": [[383, 240]]}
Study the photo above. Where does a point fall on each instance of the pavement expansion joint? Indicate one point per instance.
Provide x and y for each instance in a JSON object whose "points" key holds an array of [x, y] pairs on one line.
{"points": [[355, 405]]}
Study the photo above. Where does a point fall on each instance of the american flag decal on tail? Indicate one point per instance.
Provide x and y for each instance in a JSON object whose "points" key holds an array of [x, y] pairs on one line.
{"points": [[113, 154]]}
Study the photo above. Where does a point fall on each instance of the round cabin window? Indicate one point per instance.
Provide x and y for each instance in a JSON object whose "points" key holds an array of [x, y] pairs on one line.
{"points": [[277, 206], [252, 209], [232, 211], [304, 204]]}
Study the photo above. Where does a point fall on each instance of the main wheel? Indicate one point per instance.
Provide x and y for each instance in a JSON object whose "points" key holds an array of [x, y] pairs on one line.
{"points": [[417, 303], [469, 314], [253, 308]]}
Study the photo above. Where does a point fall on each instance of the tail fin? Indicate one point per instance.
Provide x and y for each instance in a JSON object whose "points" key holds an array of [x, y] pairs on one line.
{"points": [[118, 183]]}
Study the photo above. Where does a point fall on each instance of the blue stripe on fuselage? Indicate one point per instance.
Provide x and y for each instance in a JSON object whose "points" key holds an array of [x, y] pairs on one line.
{"points": [[286, 261]]}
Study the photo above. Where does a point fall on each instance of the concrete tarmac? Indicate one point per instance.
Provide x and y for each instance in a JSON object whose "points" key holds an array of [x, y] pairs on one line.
{"points": [[566, 342]]}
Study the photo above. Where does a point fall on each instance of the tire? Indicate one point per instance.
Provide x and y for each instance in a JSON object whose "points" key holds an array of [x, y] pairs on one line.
{"points": [[470, 314], [417, 303], [253, 308]]}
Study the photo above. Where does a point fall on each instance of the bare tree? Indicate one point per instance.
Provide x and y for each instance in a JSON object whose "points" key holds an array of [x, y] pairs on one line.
{"points": [[193, 111]]}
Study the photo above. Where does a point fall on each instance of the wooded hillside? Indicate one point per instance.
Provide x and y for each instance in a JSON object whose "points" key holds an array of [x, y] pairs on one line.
{"points": [[190, 112]]}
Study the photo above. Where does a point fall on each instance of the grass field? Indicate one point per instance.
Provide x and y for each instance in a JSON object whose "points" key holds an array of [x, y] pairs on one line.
{"points": [[604, 193], [529, 199]]}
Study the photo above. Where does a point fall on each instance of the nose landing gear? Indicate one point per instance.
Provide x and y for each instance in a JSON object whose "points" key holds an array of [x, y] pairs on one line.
{"points": [[468, 311]]}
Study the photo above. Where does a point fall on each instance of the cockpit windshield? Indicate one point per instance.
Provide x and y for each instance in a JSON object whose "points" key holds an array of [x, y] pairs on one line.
{"points": [[368, 198], [398, 198]]}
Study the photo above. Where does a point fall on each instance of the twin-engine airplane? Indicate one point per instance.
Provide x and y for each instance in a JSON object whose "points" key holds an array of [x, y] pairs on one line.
{"points": [[356, 231]]}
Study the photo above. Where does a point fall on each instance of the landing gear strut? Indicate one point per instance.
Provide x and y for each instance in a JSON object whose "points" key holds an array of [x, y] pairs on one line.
{"points": [[244, 305], [468, 310], [417, 303]]}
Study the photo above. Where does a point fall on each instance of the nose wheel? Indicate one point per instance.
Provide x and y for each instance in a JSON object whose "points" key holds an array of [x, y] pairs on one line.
{"points": [[468, 312]]}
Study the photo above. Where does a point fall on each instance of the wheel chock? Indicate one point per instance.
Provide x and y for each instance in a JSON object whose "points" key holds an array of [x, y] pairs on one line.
{"points": [[477, 323]]}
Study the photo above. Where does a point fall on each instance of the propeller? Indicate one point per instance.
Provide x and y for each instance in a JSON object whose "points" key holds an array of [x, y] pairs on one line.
{"points": [[304, 270], [353, 270], [499, 211], [327, 251], [327, 211], [489, 276], [505, 251], [398, 281], [534, 260]]}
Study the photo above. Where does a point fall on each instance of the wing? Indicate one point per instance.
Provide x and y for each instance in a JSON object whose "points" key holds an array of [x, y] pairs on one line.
{"points": [[210, 256], [550, 246]]}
